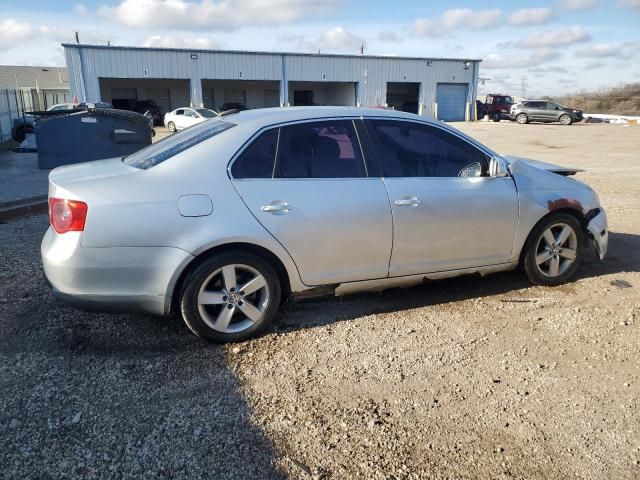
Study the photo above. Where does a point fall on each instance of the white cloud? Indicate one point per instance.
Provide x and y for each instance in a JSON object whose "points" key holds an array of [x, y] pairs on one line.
{"points": [[537, 57], [530, 16], [13, 32], [564, 37], [578, 4], [81, 9], [593, 65], [630, 4], [213, 14], [334, 39], [620, 50], [170, 41], [388, 36], [457, 18], [339, 39]]}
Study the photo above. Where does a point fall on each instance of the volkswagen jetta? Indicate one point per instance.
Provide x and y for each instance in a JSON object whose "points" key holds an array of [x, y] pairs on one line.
{"points": [[223, 221]]}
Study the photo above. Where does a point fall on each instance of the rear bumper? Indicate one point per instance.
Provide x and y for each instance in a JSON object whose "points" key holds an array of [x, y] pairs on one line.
{"points": [[599, 233], [123, 279]]}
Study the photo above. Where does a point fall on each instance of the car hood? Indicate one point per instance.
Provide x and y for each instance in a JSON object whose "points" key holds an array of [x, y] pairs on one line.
{"points": [[549, 167]]}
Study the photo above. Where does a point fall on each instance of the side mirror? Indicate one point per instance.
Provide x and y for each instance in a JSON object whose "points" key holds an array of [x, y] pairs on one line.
{"points": [[498, 167]]}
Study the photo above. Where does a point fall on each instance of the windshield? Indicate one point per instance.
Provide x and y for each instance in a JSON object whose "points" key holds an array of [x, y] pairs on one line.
{"points": [[206, 113], [174, 144]]}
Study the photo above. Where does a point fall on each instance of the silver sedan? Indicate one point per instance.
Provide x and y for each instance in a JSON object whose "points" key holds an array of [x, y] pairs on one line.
{"points": [[222, 222]]}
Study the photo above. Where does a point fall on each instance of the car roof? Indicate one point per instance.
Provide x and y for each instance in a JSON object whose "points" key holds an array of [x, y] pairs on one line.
{"points": [[269, 116]]}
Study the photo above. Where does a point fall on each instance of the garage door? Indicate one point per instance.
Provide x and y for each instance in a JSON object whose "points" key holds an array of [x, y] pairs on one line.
{"points": [[162, 98], [452, 101]]}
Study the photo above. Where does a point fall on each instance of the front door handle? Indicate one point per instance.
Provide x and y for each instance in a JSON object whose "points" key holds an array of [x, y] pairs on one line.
{"points": [[276, 206], [412, 201]]}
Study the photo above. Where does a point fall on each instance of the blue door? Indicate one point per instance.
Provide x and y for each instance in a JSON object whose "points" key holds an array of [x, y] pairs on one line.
{"points": [[452, 101]]}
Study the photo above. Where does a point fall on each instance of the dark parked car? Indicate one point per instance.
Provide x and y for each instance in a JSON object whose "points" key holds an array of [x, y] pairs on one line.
{"points": [[498, 106], [232, 106], [544, 111], [144, 106]]}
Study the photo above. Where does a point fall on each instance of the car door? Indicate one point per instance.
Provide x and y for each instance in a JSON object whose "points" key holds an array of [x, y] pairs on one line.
{"points": [[307, 184], [189, 118], [447, 212], [178, 118], [536, 111], [552, 111]]}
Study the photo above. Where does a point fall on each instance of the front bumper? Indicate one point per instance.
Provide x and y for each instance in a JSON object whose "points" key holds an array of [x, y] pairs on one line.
{"points": [[120, 279], [599, 233]]}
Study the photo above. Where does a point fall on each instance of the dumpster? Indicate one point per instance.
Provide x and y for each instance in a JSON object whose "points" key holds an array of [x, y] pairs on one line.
{"points": [[90, 135]]}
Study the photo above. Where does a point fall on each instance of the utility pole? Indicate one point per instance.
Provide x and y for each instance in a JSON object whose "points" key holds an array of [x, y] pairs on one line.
{"points": [[524, 86], [77, 38]]}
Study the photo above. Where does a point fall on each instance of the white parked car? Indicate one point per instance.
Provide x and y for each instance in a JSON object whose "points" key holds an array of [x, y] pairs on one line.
{"points": [[182, 118]]}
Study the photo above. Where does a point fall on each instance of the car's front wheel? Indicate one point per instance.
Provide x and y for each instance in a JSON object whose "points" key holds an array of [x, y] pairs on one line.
{"points": [[230, 297], [171, 126], [566, 120], [522, 118], [554, 250]]}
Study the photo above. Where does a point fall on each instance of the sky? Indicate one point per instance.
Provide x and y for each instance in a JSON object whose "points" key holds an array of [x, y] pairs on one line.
{"points": [[560, 46]]}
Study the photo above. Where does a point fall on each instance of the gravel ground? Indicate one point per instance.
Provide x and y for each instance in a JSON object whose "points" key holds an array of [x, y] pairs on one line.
{"points": [[464, 378]]}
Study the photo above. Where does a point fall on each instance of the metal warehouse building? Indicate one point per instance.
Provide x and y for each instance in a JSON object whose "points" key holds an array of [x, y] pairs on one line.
{"points": [[443, 88]]}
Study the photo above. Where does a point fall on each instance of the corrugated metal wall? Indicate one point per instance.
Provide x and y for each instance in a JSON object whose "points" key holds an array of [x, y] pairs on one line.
{"points": [[86, 64]]}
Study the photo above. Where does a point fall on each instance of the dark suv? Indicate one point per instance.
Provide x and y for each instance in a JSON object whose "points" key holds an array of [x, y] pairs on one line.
{"points": [[544, 111], [498, 106]]}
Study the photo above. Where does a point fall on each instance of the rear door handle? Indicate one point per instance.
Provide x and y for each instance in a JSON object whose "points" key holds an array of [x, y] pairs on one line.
{"points": [[276, 206], [412, 201]]}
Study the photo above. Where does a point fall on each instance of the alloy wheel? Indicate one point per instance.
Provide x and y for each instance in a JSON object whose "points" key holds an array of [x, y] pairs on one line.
{"points": [[233, 298], [557, 250]]}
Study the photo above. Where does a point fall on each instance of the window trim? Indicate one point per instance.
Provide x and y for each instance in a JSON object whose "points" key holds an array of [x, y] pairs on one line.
{"points": [[488, 153], [253, 137]]}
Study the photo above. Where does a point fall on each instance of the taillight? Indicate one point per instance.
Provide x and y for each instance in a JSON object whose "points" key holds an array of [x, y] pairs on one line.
{"points": [[67, 215]]}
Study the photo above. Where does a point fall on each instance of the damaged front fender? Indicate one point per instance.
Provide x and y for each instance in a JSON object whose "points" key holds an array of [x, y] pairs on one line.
{"points": [[598, 231]]}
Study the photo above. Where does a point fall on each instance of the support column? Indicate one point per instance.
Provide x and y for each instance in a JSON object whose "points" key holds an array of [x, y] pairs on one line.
{"points": [[195, 87], [284, 83]]}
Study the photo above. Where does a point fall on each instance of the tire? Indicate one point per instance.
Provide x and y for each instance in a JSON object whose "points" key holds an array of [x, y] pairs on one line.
{"points": [[495, 117], [172, 127], [565, 119], [522, 118], [562, 250], [153, 132], [224, 319]]}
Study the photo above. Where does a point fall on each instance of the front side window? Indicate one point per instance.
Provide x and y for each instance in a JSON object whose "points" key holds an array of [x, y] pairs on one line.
{"points": [[406, 149], [552, 106], [180, 112], [328, 149], [256, 161]]}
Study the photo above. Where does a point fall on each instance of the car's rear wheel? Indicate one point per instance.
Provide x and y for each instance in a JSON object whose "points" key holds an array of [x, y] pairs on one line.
{"points": [[554, 250], [522, 118], [495, 117], [566, 120], [230, 297], [171, 126]]}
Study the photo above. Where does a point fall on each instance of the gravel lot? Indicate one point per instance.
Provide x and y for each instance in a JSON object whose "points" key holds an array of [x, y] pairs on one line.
{"points": [[465, 378]]}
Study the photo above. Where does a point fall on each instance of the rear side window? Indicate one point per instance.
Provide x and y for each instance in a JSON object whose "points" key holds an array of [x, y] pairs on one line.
{"points": [[319, 150], [168, 147], [256, 161], [406, 149]]}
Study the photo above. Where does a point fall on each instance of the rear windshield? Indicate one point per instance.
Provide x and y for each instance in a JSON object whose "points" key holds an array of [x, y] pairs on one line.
{"points": [[174, 144]]}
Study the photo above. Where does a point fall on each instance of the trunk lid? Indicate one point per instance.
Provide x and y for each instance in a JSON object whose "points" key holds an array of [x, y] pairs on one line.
{"points": [[65, 177]]}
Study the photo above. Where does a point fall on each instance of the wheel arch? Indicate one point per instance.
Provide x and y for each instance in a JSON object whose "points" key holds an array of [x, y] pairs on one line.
{"points": [[173, 295], [574, 212]]}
